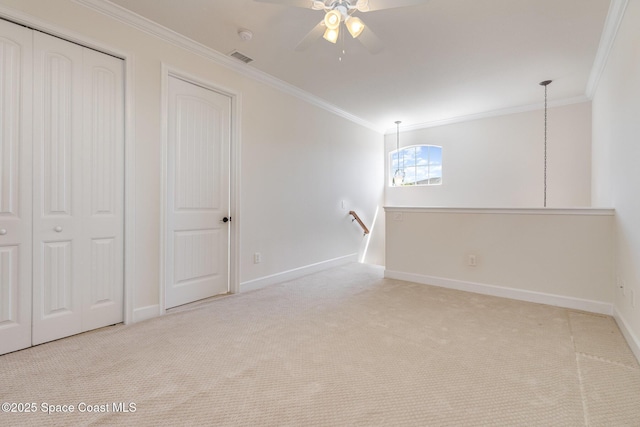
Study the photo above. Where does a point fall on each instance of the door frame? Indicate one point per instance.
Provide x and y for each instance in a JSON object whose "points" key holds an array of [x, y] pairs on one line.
{"points": [[31, 21], [234, 175]]}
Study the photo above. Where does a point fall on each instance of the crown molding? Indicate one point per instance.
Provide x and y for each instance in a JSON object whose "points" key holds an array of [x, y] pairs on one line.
{"points": [[30, 21], [152, 28], [612, 23], [609, 33], [489, 114]]}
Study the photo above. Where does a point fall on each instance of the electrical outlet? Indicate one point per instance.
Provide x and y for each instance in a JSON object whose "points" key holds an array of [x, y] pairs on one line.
{"points": [[342, 204], [257, 258], [473, 261]]}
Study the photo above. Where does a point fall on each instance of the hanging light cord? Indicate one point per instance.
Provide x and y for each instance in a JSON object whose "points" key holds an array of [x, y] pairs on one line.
{"points": [[398, 176], [545, 84], [398, 143], [545, 146]]}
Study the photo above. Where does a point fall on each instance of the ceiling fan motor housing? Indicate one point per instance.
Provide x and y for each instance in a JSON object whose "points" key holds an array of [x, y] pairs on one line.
{"points": [[343, 11]]}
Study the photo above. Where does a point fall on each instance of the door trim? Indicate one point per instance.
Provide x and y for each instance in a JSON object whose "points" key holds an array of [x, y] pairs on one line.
{"points": [[234, 175], [31, 21]]}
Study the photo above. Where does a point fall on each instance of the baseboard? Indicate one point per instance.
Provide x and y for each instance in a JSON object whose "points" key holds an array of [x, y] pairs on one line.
{"points": [[144, 313], [296, 273], [632, 340], [511, 293]]}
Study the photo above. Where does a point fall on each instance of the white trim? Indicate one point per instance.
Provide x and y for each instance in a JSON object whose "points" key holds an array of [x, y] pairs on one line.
{"points": [[145, 313], [488, 114], [503, 292], [632, 339], [234, 174], [297, 272], [129, 140], [164, 143], [509, 211], [127, 17], [235, 192], [129, 191], [609, 33]]}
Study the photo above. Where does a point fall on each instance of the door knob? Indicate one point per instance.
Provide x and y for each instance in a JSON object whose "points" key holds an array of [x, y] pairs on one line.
{"points": [[57, 229], [3, 231], [226, 219]]}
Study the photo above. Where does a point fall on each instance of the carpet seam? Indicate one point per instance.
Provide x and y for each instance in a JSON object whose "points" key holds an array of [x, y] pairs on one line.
{"points": [[583, 394], [612, 362]]}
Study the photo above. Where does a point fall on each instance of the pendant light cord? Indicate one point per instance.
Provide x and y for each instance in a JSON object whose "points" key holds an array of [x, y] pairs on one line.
{"points": [[545, 84], [545, 146], [398, 175], [398, 144]]}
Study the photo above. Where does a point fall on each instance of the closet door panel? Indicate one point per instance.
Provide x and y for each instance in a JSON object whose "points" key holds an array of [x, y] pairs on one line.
{"points": [[57, 176], [15, 186], [103, 192]]}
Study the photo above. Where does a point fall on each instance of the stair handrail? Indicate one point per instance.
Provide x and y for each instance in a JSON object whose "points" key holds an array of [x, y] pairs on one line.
{"points": [[357, 218]]}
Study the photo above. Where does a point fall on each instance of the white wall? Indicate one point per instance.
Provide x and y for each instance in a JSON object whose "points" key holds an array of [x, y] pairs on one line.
{"points": [[552, 256], [616, 160], [499, 161], [294, 172], [298, 172]]}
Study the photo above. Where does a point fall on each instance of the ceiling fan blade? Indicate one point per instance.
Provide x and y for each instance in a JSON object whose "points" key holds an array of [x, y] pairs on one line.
{"points": [[307, 4], [373, 5], [311, 37], [370, 41]]}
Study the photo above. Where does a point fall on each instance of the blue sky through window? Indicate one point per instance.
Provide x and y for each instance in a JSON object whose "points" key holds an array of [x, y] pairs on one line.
{"points": [[422, 164]]}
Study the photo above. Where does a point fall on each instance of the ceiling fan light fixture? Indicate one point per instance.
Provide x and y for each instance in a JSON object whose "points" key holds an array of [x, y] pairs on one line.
{"points": [[332, 19], [362, 5], [354, 25], [331, 34], [318, 5]]}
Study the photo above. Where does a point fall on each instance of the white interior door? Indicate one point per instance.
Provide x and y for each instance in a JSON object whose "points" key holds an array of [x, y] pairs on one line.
{"points": [[197, 238], [77, 189], [15, 187]]}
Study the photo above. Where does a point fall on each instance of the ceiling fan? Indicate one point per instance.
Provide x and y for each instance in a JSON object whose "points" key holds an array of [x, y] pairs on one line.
{"points": [[337, 12]]}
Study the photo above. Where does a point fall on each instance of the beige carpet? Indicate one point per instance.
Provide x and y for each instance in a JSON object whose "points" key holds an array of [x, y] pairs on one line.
{"points": [[341, 347]]}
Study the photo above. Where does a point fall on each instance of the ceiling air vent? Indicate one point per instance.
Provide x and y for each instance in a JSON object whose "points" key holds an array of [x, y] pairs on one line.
{"points": [[241, 57]]}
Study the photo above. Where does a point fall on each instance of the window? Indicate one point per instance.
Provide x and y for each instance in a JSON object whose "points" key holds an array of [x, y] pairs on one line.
{"points": [[422, 165]]}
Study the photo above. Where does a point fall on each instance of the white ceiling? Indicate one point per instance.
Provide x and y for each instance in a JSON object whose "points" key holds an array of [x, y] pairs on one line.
{"points": [[443, 59]]}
